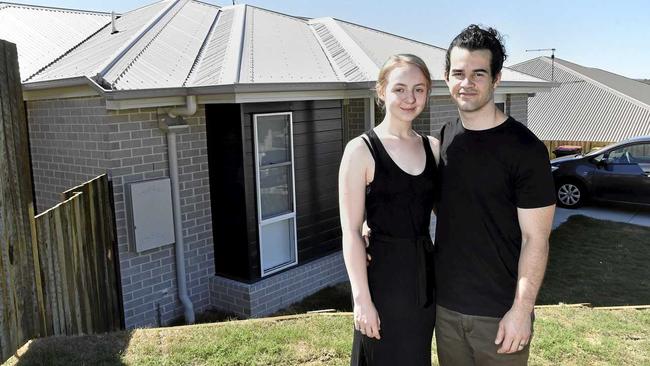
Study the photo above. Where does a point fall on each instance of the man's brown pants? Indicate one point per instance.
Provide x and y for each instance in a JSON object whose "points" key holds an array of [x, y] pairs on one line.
{"points": [[469, 340]]}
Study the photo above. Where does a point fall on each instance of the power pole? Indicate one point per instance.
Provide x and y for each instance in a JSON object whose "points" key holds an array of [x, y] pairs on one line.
{"points": [[552, 59]]}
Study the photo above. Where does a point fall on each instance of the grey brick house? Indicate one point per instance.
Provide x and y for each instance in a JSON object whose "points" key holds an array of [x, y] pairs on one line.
{"points": [[222, 130]]}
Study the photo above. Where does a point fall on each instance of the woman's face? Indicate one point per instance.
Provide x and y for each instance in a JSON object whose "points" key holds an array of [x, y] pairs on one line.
{"points": [[405, 93]]}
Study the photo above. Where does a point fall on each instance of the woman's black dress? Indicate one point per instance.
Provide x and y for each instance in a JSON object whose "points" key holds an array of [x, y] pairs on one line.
{"points": [[400, 274]]}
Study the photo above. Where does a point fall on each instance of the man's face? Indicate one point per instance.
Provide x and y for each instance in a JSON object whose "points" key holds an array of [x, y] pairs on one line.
{"points": [[469, 80]]}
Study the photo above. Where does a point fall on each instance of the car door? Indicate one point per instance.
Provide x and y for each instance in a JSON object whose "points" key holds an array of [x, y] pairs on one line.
{"points": [[624, 174]]}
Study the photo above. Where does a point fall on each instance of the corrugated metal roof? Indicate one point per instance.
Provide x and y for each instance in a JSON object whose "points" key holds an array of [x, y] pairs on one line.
{"points": [[43, 33], [630, 87], [88, 58], [282, 48], [187, 43], [165, 56], [209, 66], [585, 107], [379, 46]]}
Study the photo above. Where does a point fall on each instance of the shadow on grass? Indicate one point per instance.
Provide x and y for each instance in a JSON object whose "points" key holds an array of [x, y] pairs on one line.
{"points": [[600, 262], [593, 261], [95, 350]]}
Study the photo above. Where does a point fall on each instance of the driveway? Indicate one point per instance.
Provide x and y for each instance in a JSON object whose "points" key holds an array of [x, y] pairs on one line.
{"points": [[612, 212], [636, 215]]}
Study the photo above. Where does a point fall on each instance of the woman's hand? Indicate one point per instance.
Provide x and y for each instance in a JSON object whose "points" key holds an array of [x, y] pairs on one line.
{"points": [[366, 319]]}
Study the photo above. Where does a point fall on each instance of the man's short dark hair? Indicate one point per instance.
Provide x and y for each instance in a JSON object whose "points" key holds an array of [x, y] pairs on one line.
{"points": [[475, 38]]}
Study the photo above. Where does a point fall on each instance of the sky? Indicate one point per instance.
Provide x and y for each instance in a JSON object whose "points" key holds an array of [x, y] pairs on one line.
{"points": [[611, 35]]}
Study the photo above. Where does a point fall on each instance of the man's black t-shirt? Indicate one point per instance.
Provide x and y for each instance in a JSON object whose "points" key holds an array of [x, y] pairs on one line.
{"points": [[484, 177]]}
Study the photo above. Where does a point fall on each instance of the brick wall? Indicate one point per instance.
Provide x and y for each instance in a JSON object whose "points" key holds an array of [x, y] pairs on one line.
{"points": [[74, 140], [149, 278], [69, 145], [517, 107], [278, 291], [442, 110], [354, 111]]}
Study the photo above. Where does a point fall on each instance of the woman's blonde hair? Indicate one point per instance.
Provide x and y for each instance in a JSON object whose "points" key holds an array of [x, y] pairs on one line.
{"points": [[396, 61]]}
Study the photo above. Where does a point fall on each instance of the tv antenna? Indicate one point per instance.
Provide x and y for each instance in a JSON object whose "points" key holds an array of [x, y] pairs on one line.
{"points": [[552, 59]]}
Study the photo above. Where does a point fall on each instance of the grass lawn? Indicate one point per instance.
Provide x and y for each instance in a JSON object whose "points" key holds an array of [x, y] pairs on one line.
{"points": [[600, 262], [594, 261], [563, 336]]}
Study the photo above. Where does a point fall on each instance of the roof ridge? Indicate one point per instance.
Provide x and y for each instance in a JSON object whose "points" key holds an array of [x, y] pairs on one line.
{"points": [[295, 17], [204, 44], [599, 84], [116, 56], [361, 60], [390, 34], [50, 8], [208, 4], [526, 62]]}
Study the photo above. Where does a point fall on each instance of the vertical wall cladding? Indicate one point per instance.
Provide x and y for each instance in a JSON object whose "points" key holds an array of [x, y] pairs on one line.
{"points": [[318, 147], [69, 144], [149, 278], [74, 140]]}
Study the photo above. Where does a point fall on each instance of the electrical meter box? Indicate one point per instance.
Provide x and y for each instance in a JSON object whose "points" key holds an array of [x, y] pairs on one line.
{"points": [[150, 214]]}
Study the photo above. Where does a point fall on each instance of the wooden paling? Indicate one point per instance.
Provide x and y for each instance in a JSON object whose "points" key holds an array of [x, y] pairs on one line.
{"points": [[19, 313]]}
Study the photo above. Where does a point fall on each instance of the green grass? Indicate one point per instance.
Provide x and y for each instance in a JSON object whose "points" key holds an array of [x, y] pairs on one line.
{"points": [[563, 336], [599, 262], [592, 261]]}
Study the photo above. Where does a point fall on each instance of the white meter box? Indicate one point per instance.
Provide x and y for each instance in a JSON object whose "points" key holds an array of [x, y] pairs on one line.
{"points": [[150, 214]]}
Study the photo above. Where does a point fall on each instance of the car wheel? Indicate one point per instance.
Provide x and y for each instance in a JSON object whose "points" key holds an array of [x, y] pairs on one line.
{"points": [[570, 195]]}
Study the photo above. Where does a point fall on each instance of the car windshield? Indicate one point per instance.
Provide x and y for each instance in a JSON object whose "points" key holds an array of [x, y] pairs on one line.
{"points": [[599, 151]]}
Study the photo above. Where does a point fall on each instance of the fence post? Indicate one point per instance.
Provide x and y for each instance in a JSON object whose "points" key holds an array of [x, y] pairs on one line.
{"points": [[19, 315]]}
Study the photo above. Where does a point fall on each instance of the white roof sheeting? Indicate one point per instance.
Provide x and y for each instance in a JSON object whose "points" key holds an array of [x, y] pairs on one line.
{"points": [[586, 106], [281, 48], [188, 43], [43, 34], [210, 64], [165, 55]]}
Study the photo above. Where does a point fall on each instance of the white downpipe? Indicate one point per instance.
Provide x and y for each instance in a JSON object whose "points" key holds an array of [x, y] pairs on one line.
{"points": [[188, 110]]}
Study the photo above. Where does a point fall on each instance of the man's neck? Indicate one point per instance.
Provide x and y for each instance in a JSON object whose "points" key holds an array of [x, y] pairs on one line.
{"points": [[485, 118]]}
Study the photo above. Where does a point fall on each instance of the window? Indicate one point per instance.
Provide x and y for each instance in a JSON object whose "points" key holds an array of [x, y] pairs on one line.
{"points": [[630, 154], [276, 208]]}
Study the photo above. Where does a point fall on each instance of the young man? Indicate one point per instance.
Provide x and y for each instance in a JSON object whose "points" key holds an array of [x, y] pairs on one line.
{"points": [[494, 216]]}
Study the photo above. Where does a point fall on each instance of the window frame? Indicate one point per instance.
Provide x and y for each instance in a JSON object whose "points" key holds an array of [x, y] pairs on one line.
{"points": [[287, 216]]}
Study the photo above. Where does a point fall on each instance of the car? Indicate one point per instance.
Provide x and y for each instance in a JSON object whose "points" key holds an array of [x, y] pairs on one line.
{"points": [[619, 172]]}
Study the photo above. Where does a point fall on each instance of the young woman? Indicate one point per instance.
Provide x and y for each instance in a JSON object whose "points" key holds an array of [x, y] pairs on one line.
{"points": [[387, 177]]}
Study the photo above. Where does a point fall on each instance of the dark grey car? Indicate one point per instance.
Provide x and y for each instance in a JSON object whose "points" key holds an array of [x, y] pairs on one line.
{"points": [[619, 172]]}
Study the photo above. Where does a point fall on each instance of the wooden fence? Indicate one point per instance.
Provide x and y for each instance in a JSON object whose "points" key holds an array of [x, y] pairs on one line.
{"points": [[74, 265], [18, 308], [587, 146], [58, 270]]}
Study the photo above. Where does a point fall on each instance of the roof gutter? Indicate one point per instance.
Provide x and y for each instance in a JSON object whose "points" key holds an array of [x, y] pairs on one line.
{"points": [[172, 96]]}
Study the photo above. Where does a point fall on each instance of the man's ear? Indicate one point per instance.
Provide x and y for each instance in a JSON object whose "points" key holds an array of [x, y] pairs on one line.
{"points": [[447, 76], [497, 80]]}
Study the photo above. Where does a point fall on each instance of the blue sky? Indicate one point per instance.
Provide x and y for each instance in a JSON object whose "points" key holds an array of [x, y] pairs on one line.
{"points": [[611, 35]]}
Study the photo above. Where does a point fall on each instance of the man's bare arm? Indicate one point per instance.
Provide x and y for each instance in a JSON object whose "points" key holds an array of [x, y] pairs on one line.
{"points": [[515, 327]]}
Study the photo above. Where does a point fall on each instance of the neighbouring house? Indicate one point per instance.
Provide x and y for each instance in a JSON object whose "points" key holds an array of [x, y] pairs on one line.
{"points": [[589, 105], [222, 129]]}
